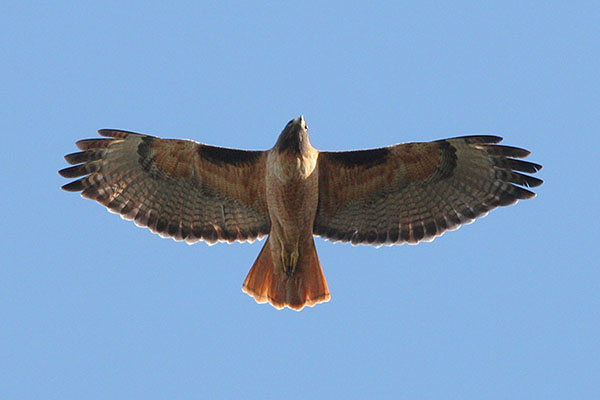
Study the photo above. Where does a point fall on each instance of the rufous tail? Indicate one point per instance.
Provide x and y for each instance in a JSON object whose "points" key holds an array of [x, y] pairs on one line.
{"points": [[306, 286]]}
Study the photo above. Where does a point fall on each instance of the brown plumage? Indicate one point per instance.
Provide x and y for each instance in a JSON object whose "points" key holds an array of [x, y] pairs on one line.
{"points": [[403, 193]]}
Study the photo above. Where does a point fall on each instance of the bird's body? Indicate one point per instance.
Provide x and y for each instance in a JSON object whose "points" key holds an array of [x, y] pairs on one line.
{"points": [[292, 188], [392, 195], [292, 191]]}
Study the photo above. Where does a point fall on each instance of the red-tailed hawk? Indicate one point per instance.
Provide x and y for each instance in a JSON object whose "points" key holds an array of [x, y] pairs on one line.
{"points": [[190, 191]]}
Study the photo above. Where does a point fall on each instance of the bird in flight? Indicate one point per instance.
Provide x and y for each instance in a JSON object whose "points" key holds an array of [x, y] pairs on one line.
{"points": [[405, 193]]}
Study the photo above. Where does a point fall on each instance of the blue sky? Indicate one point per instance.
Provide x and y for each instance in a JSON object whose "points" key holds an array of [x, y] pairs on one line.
{"points": [[93, 307]]}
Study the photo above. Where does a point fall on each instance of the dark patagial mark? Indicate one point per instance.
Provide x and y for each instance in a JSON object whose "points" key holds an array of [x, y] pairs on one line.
{"points": [[224, 156], [361, 158]]}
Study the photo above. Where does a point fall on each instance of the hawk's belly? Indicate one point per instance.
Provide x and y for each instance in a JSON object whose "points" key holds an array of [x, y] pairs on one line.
{"points": [[292, 196]]}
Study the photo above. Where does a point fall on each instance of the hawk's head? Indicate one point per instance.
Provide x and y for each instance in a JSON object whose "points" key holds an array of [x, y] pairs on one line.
{"points": [[294, 137]]}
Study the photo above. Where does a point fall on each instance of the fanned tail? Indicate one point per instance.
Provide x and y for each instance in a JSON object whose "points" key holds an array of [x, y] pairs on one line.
{"points": [[267, 282]]}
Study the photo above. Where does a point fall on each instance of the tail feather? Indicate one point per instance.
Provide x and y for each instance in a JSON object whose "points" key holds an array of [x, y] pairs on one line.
{"points": [[267, 282]]}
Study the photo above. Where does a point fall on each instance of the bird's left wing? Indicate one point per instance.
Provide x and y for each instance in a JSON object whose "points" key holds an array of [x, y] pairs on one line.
{"points": [[416, 191], [177, 188]]}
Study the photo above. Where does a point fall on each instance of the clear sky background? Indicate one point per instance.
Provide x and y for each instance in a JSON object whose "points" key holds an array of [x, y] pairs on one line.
{"points": [[92, 307]]}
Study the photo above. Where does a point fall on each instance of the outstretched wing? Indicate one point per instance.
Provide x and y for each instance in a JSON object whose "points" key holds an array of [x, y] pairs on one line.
{"points": [[416, 191], [178, 188]]}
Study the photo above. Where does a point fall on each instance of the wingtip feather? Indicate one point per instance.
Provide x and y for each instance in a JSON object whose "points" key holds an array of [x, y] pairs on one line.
{"points": [[75, 186]]}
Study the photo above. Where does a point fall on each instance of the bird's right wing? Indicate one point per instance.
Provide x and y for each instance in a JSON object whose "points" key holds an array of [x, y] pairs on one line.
{"points": [[177, 188]]}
